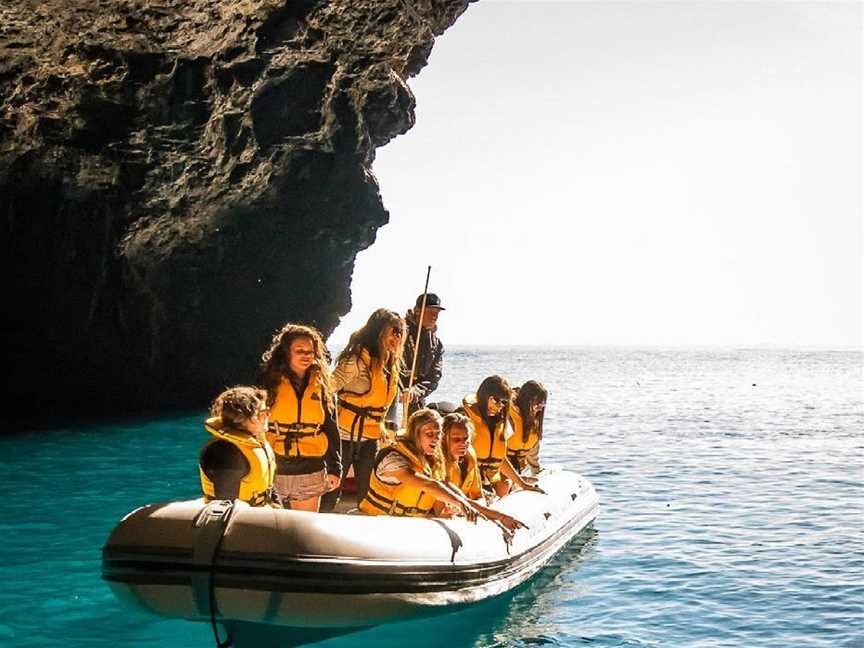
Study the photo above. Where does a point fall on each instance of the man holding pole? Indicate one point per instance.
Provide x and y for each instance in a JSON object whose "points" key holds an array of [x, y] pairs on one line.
{"points": [[422, 324]]}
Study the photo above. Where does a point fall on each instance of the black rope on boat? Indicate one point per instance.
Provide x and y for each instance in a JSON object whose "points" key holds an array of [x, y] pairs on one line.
{"points": [[211, 591], [212, 522]]}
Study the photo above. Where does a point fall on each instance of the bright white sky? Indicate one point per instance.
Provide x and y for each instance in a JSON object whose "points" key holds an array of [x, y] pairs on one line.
{"points": [[630, 174]]}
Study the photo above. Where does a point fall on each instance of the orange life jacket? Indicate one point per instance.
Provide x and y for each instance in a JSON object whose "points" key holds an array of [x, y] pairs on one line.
{"points": [[490, 445], [398, 499], [471, 484], [256, 484], [362, 415], [295, 423]]}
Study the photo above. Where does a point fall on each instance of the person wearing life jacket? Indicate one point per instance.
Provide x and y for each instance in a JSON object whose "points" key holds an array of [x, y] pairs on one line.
{"points": [[460, 460], [238, 463], [366, 380], [407, 479], [302, 428], [488, 413], [430, 353], [526, 419]]}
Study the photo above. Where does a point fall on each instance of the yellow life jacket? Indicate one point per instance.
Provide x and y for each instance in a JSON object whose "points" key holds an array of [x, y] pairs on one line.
{"points": [[256, 484], [490, 446], [398, 499], [362, 415], [295, 423], [471, 485], [517, 449]]}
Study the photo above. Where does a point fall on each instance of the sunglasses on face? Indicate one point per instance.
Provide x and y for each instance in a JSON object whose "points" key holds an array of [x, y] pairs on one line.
{"points": [[500, 402]]}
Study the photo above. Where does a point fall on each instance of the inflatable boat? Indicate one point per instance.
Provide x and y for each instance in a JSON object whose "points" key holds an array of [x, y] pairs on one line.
{"points": [[227, 561]]}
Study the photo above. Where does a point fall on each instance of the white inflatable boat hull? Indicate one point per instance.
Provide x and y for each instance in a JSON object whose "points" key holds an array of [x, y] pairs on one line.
{"points": [[333, 570]]}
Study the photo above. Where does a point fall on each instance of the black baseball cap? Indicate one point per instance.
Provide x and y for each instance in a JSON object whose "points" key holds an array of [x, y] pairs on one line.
{"points": [[432, 301]]}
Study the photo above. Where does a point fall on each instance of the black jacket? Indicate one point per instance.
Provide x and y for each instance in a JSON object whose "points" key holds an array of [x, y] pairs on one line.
{"points": [[429, 361]]}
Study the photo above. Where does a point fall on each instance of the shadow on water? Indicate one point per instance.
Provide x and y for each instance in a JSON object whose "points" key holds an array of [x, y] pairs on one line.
{"points": [[518, 614]]}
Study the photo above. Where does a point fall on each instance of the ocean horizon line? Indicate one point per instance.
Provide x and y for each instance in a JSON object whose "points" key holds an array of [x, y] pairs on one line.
{"points": [[461, 346]]}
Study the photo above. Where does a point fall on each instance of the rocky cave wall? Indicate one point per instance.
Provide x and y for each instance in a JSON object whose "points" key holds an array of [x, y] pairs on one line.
{"points": [[178, 178]]}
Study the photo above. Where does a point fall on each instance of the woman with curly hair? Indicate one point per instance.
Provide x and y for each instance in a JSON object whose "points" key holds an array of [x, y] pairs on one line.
{"points": [[526, 419], [408, 478], [366, 379], [238, 463], [302, 430]]}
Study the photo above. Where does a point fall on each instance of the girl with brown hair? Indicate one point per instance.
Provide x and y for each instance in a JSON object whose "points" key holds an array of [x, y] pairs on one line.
{"points": [[366, 380], [238, 463], [302, 429], [488, 411], [526, 419]]}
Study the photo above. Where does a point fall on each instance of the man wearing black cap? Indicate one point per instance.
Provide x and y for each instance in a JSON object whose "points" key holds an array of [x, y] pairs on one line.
{"points": [[430, 356]]}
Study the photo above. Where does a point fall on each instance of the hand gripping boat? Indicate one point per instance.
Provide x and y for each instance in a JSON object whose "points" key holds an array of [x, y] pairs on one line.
{"points": [[233, 562]]}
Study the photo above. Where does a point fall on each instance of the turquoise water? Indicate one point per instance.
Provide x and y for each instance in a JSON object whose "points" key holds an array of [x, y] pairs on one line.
{"points": [[732, 487]]}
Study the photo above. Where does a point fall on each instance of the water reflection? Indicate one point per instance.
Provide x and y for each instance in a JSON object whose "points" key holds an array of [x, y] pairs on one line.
{"points": [[527, 616]]}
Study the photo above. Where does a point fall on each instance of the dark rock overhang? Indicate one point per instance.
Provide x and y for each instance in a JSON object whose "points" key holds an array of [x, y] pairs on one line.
{"points": [[180, 178]]}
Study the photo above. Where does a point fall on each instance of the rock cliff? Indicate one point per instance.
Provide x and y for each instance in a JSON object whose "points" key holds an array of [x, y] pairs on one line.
{"points": [[180, 177]]}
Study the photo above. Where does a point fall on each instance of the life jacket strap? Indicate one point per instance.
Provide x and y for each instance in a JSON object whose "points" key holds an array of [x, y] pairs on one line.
{"points": [[361, 414], [293, 430], [210, 524], [392, 507], [259, 499], [488, 469], [373, 413]]}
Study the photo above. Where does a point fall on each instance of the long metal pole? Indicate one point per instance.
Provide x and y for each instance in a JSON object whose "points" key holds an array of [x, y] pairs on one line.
{"points": [[416, 349]]}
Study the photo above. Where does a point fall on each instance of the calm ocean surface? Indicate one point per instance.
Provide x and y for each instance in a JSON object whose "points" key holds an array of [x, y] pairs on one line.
{"points": [[731, 486]]}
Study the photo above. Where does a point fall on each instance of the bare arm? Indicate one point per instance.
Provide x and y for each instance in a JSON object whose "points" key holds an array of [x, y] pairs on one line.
{"points": [[507, 522], [435, 488], [511, 474], [448, 494]]}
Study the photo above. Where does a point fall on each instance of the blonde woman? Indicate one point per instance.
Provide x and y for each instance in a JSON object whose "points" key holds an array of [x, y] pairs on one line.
{"points": [[366, 380], [407, 479], [302, 429], [460, 460]]}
